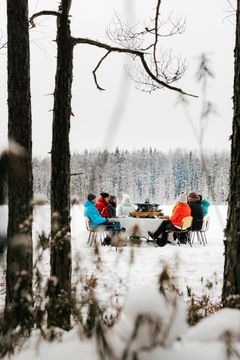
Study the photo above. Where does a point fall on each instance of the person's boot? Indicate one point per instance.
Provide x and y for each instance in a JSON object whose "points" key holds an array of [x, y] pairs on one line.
{"points": [[107, 240], [161, 241], [151, 234]]}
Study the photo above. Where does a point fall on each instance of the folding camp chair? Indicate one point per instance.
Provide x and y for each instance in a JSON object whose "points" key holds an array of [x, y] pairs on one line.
{"points": [[201, 233], [205, 227], [94, 233], [184, 229], [196, 230]]}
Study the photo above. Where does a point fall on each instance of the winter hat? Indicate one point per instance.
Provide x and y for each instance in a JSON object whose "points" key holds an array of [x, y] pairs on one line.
{"points": [[192, 194], [91, 197], [125, 200], [193, 197], [182, 198], [104, 195]]}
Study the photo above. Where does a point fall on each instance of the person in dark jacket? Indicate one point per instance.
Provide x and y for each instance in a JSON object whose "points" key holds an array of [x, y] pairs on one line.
{"points": [[112, 205], [194, 202]]}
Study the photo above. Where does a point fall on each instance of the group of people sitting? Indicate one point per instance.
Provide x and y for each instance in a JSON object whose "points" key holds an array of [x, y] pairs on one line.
{"points": [[104, 210], [192, 205], [98, 211]]}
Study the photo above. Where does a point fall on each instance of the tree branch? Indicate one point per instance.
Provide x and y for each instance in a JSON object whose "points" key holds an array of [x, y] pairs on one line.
{"points": [[94, 71], [156, 36], [76, 174], [4, 45], [41, 13], [135, 53]]}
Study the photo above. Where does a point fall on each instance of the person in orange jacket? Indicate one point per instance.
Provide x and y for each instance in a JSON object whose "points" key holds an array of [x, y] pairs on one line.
{"points": [[180, 211]]}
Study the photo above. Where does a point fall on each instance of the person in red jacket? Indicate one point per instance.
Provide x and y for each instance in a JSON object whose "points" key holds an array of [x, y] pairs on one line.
{"points": [[101, 205], [180, 211]]}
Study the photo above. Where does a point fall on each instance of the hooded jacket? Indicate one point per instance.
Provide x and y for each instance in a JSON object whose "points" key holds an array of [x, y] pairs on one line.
{"points": [[126, 207], [92, 213], [180, 211], [205, 205], [102, 207]]}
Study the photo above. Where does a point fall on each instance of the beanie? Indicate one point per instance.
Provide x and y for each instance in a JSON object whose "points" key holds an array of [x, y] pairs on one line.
{"points": [[182, 198], [90, 197], [192, 194], [193, 197], [104, 195]]}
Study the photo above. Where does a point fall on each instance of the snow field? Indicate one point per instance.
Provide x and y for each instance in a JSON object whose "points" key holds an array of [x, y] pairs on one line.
{"points": [[137, 285], [190, 266]]}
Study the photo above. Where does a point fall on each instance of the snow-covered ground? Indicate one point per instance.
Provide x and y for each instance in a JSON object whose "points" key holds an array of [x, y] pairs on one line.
{"points": [[190, 266], [213, 338]]}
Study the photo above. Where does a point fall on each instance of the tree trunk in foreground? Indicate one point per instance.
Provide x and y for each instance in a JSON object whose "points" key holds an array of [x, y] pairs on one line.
{"points": [[19, 253], [231, 280], [59, 305]]}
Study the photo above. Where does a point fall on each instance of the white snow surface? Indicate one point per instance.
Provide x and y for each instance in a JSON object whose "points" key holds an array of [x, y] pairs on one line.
{"points": [[136, 288], [213, 328], [190, 266]]}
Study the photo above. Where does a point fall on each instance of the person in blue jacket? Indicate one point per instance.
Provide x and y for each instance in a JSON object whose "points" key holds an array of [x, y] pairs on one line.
{"points": [[92, 213], [205, 205], [95, 218]]}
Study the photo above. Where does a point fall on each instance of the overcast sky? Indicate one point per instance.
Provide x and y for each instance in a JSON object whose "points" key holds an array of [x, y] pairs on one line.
{"points": [[135, 119]]}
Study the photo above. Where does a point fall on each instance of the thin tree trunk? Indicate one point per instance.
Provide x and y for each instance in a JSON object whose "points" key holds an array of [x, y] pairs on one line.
{"points": [[231, 281], [19, 256], [59, 315]]}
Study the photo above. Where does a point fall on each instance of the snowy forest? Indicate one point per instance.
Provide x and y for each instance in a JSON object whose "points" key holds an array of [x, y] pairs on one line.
{"points": [[146, 173], [75, 282]]}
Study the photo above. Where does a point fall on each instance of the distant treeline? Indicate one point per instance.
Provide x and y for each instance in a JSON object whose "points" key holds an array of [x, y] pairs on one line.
{"points": [[146, 173]]}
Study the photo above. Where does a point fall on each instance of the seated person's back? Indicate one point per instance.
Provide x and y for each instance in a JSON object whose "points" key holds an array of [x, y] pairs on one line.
{"points": [[205, 205], [180, 210], [196, 210]]}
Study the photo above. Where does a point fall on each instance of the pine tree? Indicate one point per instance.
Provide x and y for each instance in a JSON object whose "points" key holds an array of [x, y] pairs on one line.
{"points": [[231, 277], [20, 190]]}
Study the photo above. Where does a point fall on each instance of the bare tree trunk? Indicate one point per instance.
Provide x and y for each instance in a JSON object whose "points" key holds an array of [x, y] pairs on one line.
{"points": [[60, 312], [231, 281], [19, 254]]}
